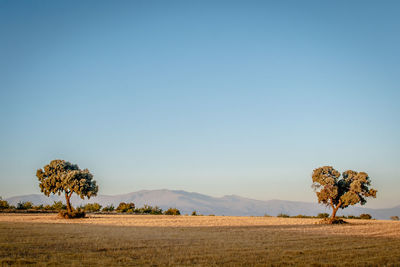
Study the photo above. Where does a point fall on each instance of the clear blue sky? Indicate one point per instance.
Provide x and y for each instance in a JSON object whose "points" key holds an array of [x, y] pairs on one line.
{"points": [[217, 97]]}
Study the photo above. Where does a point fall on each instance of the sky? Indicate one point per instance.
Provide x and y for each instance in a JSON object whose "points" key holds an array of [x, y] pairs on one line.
{"points": [[215, 97]]}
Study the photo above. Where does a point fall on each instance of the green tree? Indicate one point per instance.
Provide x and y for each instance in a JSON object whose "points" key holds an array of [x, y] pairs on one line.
{"points": [[341, 191], [4, 204], [108, 208], [92, 207], [58, 205], [323, 215], [365, 216], [172, 211], [38, 207], [60, 176], [24, 205], [126, 207]]}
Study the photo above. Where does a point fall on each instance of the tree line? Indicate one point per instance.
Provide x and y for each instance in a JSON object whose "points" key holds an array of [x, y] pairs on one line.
{"points": [[130, 208], [90, 208]]}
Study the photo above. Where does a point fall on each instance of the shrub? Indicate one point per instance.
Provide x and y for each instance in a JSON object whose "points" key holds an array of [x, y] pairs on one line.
{"points": [[48, 207], [172, 211], [74, 214], [126, 207], [283, 215], [301, 216], [394, 218], [24, 205], [39, 207], [58, 205], [323, 215], [109, 208], [4, 204], [365, 216], [156, 210], [92, 207], [194, 213], [146, 209]]}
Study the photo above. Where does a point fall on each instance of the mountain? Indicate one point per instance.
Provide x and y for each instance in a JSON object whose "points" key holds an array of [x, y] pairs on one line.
{"points": [[187, 202]]}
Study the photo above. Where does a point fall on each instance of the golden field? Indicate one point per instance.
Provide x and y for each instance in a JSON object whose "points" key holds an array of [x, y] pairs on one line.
{"points": [[126, 240]]}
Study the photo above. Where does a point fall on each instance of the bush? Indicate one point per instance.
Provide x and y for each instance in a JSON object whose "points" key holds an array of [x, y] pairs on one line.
{"points": [[147, 209], [58, 205], [323, 215], [92, 207], [24, 205], [109, 208], [39, 207], [283, 215], [172, 211], [301, 216], [48, 207], [75, 214], [126, 207], [365, 216], [4, 204], [194, 213], [351, 217], [394, 218], [156, 210]]}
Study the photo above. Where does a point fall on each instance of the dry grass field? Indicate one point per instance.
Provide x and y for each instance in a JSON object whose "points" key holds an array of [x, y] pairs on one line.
{"points": [[109, 240]]}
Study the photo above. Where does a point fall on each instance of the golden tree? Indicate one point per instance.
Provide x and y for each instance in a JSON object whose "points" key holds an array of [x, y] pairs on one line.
{"points": [[341, 191], [60, 176]]}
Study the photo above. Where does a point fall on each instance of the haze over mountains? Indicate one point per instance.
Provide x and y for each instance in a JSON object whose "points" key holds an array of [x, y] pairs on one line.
{"points": [[187, 202]]}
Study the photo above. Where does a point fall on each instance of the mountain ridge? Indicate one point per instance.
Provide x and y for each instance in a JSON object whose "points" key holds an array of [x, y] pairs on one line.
{"points": [[229, 205]]}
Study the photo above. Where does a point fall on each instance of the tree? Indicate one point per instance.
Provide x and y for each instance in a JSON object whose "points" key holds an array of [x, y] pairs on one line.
{"points": [[323, 215], [60, 176], [4, 204], [172, 211], [365, 216], [58, 205], [338, 191], [108, 208], [24, 205], [126, 207], [92, 207]]}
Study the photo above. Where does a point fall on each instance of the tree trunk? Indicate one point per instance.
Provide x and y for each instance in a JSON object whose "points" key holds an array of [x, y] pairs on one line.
{"points": [[335, 209], [334, 212], [67, 197]]}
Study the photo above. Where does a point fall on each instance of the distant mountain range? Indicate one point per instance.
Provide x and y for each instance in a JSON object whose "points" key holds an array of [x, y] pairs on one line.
{"points": [[187, 202]]}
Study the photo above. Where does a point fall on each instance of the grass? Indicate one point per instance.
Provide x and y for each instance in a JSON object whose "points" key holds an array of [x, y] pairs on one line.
{"points": [[44, 239]]}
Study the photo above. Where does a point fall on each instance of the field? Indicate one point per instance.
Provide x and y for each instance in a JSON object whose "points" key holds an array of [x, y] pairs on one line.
{"points": [[107, 240]]}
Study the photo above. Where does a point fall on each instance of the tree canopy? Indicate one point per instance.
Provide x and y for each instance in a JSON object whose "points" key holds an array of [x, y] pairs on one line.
{"points": [[3, 204], [60, 176], [340, 191]]}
